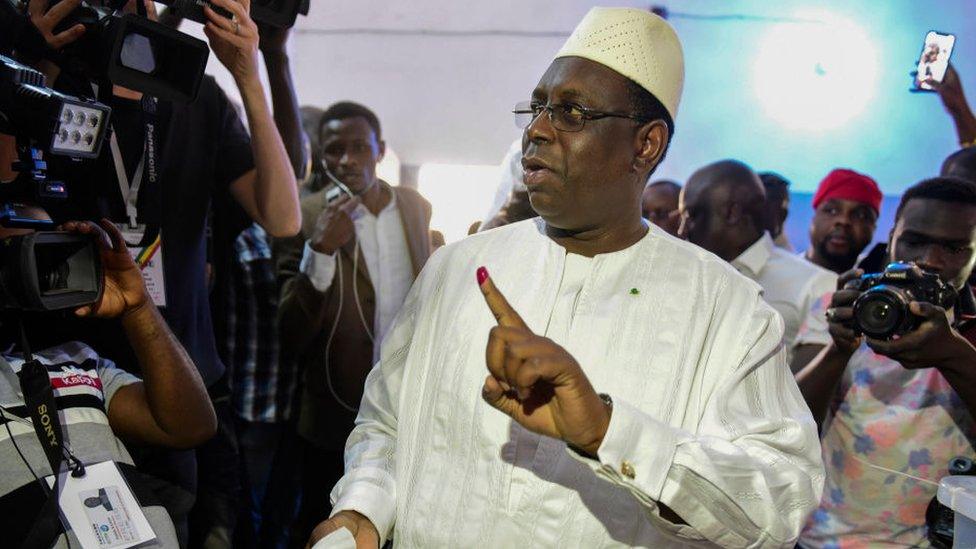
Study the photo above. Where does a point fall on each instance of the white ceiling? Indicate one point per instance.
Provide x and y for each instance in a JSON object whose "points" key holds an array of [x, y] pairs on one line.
{"points": [[446, 98]]}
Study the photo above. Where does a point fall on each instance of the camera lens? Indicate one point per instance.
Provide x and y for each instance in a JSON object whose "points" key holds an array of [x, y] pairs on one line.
{"points": [[881, 312], [54, 280]]}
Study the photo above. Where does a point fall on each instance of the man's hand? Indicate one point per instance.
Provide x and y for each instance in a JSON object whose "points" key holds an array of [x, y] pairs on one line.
{"points": [[538, 383], [841, 313], [334, 226], [125, 291], [359, 526], [950, 91], [272, 39], [46, 20], [234, 41], [933, 344]]}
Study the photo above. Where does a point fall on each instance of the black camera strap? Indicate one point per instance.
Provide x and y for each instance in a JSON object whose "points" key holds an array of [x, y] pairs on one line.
{"points": [[35, 383], [47, 524], [38, 395]]}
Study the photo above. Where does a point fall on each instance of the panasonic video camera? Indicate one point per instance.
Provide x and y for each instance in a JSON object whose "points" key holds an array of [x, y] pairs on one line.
{"points": [[882, 312]]}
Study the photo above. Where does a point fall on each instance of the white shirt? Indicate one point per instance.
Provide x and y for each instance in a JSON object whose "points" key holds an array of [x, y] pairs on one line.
{"points": [[383, 245], [707, 417], [783, 241], [799, 290]]}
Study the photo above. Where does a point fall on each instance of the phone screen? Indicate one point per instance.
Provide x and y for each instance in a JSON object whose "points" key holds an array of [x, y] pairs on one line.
{"points": [[934, 60]]}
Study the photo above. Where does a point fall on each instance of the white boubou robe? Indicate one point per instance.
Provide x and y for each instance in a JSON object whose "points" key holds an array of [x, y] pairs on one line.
{"points": [[706, 415]]}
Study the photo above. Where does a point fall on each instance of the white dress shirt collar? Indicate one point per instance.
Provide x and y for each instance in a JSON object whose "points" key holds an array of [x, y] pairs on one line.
{"points": [[754, 259]]}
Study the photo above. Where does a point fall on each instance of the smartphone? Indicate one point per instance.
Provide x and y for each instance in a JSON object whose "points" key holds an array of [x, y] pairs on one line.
{"points": [[934, 60], [335, 192]]}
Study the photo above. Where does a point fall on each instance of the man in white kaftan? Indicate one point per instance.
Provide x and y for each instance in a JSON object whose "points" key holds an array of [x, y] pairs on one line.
{"points": [[706, 416], [637, 391]]}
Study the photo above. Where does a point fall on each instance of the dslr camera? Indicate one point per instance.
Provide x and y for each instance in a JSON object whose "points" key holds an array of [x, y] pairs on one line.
{"points": [[881, 311]]}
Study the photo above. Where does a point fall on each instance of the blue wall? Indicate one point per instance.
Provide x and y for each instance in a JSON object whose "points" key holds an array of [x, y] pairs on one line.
{"points": [[899, 137]]}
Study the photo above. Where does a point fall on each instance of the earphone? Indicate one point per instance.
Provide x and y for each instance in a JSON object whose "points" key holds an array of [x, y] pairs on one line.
{"points": [[355, 292]]}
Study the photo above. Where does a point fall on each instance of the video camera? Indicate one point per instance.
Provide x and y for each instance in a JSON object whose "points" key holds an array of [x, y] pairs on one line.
{"points": [[49, 271], [45, 271], [882, 312]]}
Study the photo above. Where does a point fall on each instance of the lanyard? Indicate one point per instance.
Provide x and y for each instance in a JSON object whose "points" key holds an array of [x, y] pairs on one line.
{"points": [[130, 190], [38, 395], [47, 526]]}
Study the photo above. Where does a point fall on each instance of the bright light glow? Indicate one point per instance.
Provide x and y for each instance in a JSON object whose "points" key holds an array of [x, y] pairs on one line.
{"points": [[389, 168], [815, 76], [458, 194]]}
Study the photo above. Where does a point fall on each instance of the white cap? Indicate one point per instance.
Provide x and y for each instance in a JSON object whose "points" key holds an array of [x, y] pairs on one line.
{"points": [[635, 43]]}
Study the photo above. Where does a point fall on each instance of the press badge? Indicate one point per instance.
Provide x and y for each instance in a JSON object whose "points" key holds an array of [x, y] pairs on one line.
{"points": [[101, 510], [149, 259]]}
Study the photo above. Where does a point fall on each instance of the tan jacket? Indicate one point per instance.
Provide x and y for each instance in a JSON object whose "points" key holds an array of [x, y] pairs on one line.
{"points": [[306, 316]]}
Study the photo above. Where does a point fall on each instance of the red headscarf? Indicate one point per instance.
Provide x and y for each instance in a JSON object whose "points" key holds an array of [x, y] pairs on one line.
{"points": [[849, 185]]}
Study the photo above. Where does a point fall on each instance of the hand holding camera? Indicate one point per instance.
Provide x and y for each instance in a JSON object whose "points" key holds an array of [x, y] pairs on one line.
{"points": [[234, 40], [902, 312], [47, 20], [124, 290], [841, 313]]}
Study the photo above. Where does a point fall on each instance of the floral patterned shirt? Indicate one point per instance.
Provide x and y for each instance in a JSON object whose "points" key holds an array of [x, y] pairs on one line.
{"points": [[886, 416]]}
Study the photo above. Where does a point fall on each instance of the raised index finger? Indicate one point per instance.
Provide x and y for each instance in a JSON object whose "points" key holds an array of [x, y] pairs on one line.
{"points": [[504, 313]]}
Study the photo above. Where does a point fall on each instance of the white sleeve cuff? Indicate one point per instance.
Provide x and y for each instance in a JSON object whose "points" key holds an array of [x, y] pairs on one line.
{"points": [[636, 452], [368, 498], [320, 268]]}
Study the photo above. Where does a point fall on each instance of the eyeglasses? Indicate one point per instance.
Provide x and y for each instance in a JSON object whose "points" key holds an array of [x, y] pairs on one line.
{"points": [[565, 117]]}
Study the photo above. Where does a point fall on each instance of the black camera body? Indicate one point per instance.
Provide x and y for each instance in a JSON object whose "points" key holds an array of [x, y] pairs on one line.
{"points": [[129, 50], [49, 271], [882, 310]]}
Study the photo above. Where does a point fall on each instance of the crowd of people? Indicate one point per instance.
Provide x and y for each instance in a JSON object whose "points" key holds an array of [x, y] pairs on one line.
{"points": [[607, 359]]}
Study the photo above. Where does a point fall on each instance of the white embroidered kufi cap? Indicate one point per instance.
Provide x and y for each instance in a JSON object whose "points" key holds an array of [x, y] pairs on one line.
{"points": [[635, 43]]}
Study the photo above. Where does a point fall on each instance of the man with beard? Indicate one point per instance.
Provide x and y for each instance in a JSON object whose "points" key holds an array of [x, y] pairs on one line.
{"points": [[588, 407], [846, 207]]}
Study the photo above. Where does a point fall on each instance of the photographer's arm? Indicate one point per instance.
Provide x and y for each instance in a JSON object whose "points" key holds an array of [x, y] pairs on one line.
{"points": [[936, 344], [171, 406], [961, 374], [819, 379], [954, 101], [287, 116], [269, 193]]}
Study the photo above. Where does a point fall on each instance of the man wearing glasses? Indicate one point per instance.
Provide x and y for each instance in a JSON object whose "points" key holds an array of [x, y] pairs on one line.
{"points": [[546, 383]]}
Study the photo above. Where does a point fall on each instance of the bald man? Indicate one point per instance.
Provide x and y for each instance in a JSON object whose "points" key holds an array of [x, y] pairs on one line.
{"points": [[659, 204], [722, 209]]}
